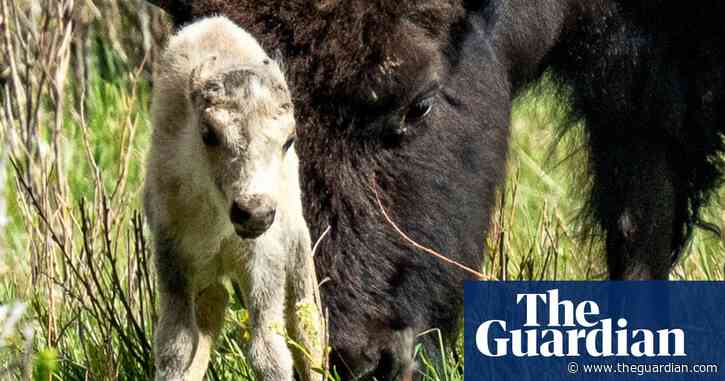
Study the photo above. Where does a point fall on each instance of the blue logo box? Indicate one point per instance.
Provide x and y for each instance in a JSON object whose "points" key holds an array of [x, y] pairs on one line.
{"points": [[594, 331]]}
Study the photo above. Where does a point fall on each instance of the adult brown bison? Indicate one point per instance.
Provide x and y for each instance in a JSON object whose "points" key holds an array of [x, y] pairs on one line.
{"points": [[416, 96]]}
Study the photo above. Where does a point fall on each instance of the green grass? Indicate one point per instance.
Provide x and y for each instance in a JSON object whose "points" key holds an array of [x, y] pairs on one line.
{"points": [[535, 235], [542, 234]]}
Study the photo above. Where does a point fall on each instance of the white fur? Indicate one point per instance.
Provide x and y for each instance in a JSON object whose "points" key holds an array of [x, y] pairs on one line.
{"points": [[188, 210]]}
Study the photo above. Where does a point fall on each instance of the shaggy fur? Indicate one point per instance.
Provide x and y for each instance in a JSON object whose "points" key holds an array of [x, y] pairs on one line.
{"points": [[222, 123], [647, 77]]}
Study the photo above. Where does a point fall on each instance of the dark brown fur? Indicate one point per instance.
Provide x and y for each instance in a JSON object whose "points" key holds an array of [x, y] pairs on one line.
{"points": [[330, 47], [646, 76]]}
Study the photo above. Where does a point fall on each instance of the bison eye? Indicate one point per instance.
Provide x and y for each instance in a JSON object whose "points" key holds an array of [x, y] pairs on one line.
{"points": [[208, 136], [419, 110], [286, 146]]}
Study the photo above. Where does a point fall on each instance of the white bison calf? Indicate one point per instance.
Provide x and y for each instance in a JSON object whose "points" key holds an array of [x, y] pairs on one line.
{"points": [[222, 198]]}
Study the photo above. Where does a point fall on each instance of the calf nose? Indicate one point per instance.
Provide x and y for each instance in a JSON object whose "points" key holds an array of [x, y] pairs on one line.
{"points": [[252, 215]]}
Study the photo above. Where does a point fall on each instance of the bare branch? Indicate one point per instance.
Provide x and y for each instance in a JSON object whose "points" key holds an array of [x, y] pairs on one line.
{"points": [[419, 246]]}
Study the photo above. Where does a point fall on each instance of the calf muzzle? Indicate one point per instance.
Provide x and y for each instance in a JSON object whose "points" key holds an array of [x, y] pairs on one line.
{"points": [[252, 215]]}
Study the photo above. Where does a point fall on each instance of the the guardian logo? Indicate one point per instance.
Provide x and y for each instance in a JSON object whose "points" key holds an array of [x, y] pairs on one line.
{"points": [[573, 330]]}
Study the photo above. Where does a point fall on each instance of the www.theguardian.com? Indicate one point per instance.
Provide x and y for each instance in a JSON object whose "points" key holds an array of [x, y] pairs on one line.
{"points": [[641, 369]]}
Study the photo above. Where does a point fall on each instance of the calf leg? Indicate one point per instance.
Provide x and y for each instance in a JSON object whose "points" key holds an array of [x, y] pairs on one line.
{"points": [[636, 202], [176, 337], [188, 323], [264, 292], [211, 304], [268, 352], [186, 332]]}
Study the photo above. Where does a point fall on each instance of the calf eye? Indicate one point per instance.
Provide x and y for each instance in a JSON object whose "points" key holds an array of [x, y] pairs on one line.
{"points": [[208, 136], [286, 146], [419, 110]]}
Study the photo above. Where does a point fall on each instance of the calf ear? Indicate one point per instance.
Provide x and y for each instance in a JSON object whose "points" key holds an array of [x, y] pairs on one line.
{"points": [[179, 10]]}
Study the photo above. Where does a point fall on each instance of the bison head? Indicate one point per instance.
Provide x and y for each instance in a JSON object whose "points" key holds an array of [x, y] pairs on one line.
{"points": [[406, 97]]}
